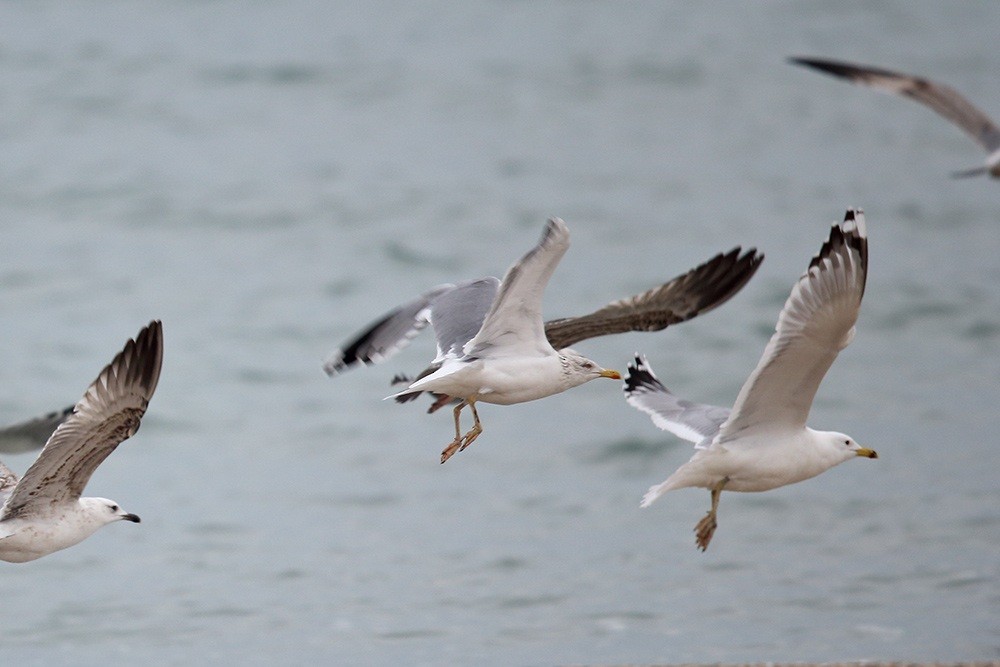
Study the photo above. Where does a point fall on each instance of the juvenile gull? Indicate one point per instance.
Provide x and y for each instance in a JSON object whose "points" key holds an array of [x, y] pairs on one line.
{"points": [[763, 442], [43, 512], [32, 433], [943, 99]]}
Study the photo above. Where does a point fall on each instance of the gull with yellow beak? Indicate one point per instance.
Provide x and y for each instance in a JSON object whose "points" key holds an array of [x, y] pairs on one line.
{"points": [[763, 442], [504, 358]]}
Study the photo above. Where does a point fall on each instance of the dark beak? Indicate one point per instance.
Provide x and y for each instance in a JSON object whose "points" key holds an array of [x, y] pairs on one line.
{"points": [[134, 518]]}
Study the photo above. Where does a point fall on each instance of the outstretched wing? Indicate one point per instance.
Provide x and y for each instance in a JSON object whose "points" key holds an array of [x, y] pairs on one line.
{"points": [[816, 323], [32, 434], [387, 335], [514, 324], [943, 99], [108, 413], [688, 295], [696, 422]]}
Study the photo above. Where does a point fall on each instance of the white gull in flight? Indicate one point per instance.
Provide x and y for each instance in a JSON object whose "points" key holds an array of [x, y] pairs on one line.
{"points": [[763, 442], [43, 511], [457, 312], [943, 99], [509, 359]]}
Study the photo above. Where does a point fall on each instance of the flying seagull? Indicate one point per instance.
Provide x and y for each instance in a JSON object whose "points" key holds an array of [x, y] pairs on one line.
{"points": [[943, 99], [688, 295], [458, 312], [31, 434], [43, 511], [763, 441], [507, 359]]}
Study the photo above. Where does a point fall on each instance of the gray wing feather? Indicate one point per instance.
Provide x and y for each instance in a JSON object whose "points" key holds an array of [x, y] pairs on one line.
{"points": [[387, 335], [108, 414], [458, 314], [456, 317], [688, 295], [32, 434], [696, 422]]}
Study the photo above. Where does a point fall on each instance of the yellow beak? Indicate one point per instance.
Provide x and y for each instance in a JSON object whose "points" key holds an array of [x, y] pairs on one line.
{"points": [[867, 453], [614, 375]]}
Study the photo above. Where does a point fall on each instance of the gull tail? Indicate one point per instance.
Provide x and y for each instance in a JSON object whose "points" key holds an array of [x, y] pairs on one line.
{"points": [[407, 380], [654, 493]]}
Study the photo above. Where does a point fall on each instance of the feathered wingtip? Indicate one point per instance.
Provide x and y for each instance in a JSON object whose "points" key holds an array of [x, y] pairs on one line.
{"points": [[639, 377], [851, 233]]}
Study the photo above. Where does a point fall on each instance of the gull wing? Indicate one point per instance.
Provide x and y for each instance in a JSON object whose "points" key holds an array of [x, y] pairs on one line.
{"points": [[696, 422], [458, 315], [387, 335], [688, 295], [943, 99], [514, 324], [108, 413], [32, 434], [816, 323]]}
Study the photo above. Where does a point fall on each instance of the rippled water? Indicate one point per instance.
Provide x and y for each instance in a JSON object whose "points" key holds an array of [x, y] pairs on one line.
{"points": [[267, 179]]}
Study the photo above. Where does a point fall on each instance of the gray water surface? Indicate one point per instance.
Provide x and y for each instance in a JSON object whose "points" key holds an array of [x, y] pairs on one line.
{"points": [[268, 178]]}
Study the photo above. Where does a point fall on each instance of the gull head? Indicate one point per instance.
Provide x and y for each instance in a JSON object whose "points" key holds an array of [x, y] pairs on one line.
{"points": [[103, 511], [578, 369], [844, 447]]}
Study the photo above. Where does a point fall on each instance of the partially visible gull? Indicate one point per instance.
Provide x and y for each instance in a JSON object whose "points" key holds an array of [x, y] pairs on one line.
{"points": [[763, 442], [43, 511], [457, 313], [943, 99], [31, 434]]}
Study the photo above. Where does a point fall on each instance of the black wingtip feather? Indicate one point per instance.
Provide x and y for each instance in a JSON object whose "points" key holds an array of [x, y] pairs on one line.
{"points": [[639, 377], [845, 234], [842, 69]]}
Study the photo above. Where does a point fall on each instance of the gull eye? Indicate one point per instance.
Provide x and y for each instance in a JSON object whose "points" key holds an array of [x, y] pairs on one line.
{"points": [[587, 365], [114, 508], [847, 442]]}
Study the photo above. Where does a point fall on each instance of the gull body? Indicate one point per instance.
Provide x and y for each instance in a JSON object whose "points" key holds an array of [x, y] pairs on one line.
{"points": [[514, 380], [763, 442], [44, 512]]}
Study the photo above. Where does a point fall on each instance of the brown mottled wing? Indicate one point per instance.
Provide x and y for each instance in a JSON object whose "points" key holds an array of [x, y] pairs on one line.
{"points": [[108, 413], [686, 296], [943, 99], [32, 434]]}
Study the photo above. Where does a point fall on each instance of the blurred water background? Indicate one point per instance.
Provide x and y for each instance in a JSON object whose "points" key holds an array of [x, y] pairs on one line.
{"points": [[267, 178]]}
